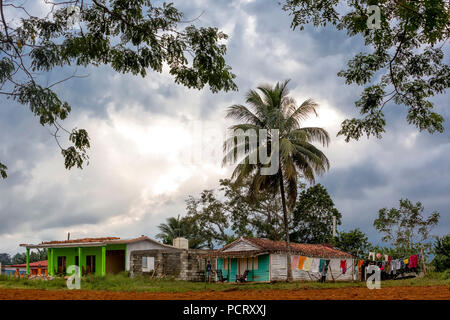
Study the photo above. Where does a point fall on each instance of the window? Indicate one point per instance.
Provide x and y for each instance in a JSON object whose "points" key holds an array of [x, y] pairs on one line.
{"points": [[144, 262], [148, 264], [62, 264], [77, 261], [90, 264]]}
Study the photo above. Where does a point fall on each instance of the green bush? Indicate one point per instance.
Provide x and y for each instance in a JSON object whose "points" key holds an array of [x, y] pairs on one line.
{"points": [[441, 249]]}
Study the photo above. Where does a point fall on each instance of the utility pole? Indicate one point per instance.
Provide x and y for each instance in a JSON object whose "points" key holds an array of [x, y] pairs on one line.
{"points": [[334, 226]]}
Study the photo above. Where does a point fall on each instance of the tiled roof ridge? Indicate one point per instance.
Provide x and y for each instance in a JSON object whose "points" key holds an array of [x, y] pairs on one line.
{"points": [[81, 240], [306, 248]]}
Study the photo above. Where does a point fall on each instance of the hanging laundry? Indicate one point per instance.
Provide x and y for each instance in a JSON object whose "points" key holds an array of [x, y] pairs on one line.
{"points": [[372, 256], [360, 263], [413, 261], [378, 255], [301, 261], [343, 266], [321, 265], [405, 262], [294, 260], [307, 264], [386, 257], [388, 266], [315, 265], [389, 258]]}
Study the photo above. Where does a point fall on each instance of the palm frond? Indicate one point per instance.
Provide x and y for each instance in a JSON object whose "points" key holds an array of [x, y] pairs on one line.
{"points": [[242, 113], [315, 134]]}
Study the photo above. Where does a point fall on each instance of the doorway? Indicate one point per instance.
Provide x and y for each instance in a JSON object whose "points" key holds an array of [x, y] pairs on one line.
{"points": [[115, 261]]}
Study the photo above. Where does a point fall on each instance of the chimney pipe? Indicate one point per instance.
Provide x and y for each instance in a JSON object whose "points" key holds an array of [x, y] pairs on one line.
{"points": [[68, 236]]}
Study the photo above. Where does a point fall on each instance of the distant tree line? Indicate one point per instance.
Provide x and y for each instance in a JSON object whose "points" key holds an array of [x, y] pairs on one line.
{"points": [[21, 257]]}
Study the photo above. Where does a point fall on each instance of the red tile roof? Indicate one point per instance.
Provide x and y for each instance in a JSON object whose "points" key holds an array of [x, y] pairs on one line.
{"points": [[37, 264], [311, 250], [82, 240]]}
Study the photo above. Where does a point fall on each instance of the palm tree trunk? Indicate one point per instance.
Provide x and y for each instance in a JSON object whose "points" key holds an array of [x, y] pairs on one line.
{"points": [[290, 278]]}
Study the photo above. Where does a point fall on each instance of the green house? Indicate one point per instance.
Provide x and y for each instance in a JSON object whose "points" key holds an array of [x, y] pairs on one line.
{"points": [[99, 256]]}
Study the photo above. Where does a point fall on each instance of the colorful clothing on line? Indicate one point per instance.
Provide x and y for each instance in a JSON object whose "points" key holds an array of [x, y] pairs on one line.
{"points": [[413, 261], [301, 261], [307, 264], [343, 266], [360, 263], [294, 260], [405, 261], [372, 255], [315, 265], [321, 265]]}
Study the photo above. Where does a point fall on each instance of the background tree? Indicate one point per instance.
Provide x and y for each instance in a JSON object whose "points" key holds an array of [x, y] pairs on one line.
{"points": [[313, 216], [5, 258], [19, 258], [404, 62], [354, 242], [35, 255], [131, 36], [176, 227], [405, 228], [441, 251], [270, 107], [208, 219], [262, 218]]}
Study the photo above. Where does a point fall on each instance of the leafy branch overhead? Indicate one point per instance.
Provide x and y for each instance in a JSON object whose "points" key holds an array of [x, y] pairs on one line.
{"points": [[404, 62], [130, 36]]}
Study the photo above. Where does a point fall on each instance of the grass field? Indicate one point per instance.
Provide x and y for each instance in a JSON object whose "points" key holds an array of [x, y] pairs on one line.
{"points": [[122, 282]]}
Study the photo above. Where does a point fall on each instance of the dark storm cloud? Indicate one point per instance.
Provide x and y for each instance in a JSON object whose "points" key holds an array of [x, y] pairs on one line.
{"points": [[352, 182]]}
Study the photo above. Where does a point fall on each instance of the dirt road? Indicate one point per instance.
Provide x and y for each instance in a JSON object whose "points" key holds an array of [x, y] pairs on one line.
{"points": [[390, 293]]}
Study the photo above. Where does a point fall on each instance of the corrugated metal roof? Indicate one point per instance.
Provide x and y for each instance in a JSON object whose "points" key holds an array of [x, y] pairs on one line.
{"points": [[86, 242], [82, 240]]}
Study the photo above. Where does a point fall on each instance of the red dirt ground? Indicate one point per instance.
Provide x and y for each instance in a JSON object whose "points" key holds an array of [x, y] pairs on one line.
{"points": [[390, 293]]}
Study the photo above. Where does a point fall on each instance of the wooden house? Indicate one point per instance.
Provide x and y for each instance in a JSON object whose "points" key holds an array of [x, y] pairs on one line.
{"points": [[266, 261]]}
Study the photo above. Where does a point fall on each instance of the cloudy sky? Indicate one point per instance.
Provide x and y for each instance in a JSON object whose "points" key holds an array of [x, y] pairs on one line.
{"points": [[155, 142]]}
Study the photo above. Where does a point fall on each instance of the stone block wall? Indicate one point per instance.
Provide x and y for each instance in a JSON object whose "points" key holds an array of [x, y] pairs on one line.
{"points": [[179, 263]]}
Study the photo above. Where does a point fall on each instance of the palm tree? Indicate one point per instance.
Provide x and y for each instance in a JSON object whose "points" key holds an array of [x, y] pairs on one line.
{"points": [[176, 227], [272, 108], [170, 230]]}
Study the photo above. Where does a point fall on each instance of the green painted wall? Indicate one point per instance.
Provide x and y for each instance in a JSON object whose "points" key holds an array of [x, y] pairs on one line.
{"points": [[71, 253], [260, 274]]}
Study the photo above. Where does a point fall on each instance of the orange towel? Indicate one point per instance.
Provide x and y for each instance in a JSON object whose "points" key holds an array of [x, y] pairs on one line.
{"points": [[360, 262], [301, 261]]}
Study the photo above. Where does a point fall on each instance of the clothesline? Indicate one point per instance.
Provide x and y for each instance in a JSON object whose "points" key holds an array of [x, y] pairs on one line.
{"points": [[317, 265]]}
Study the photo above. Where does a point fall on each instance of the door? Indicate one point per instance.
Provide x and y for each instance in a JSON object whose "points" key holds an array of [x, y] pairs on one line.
{"points": [[242, 265], [115, 261]]}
